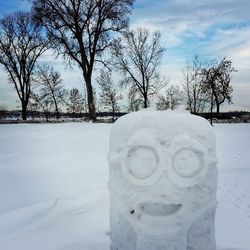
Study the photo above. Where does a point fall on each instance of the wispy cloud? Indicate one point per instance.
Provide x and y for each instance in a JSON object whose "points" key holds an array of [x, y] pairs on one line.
{"points": [[209, 28]]}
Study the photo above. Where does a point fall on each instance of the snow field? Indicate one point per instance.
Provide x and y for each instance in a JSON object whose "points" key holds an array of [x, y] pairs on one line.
{"points": [[53, 186]]}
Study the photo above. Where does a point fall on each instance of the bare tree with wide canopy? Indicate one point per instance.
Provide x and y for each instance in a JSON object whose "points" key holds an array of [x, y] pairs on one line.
{"points": [[81, 30], [216, 81], [21, 44], [138, 56], [49, 88]]}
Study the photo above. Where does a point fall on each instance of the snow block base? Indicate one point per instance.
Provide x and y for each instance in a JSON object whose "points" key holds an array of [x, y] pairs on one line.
{"points": [[163, 181]]}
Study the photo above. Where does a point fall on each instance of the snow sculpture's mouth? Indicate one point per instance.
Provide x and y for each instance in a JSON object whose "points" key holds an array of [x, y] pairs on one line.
{"points": [[159, 208]]}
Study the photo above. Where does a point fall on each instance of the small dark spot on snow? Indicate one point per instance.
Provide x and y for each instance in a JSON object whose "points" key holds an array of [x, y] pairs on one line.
{"points": [[132, 211]]}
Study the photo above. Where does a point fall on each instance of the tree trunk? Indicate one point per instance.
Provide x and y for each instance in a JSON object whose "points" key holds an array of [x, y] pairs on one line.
{"points": [[194, 108], [57, 113], [113, 114], [90, 96], [24, 111], [217, 108], [211, 110], [57, 110], [145, 104]]}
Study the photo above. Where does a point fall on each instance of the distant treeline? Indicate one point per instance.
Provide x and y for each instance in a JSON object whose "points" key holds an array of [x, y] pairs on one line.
{"points": [[36, 116], [226, 115], [39, 115]]}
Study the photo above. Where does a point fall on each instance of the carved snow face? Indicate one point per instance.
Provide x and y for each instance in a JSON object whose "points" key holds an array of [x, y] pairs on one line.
{"points": [[161, 169], [143, 160]]}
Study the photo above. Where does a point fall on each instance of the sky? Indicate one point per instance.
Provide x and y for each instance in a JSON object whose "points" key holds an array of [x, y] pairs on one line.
{"points": [[211, 29]]}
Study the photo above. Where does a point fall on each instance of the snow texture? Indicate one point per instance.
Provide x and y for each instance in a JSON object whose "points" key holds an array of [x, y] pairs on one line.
{"points": [[53, 187], [163, 181]]}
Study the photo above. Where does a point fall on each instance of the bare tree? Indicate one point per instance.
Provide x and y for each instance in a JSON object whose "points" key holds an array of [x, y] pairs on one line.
{"points": [[134, 104], [3, 107], [216, 81], [41, 103], [33, 107], [75, 102], [81, 30], [3, 110], [50, 87], [21, 43], [171, 100], [138, 56], [195, 95], [109, 95]]}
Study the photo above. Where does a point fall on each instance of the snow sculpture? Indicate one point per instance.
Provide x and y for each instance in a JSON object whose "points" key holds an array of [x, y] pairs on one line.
{"points": [[163, 181]]}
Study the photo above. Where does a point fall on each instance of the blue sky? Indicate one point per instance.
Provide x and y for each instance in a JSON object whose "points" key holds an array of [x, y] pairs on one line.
{"points": [[8, 6], [209, 28]]}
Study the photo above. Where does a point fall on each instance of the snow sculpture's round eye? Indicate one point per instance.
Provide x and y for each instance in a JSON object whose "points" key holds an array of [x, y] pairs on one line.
{"points": [[142, 162], [187, 163]]}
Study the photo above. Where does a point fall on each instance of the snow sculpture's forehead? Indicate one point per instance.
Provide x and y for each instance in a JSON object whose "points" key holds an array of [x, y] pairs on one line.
{"points": [[163, 125], [149, 143]]}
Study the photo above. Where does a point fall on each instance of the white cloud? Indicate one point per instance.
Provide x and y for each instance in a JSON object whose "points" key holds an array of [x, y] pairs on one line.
{"points": [[210, 28], [193, 17]]}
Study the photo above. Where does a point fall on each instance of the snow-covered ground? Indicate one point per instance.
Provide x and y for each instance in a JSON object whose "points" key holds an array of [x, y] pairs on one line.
{"points": [[53, 187]]}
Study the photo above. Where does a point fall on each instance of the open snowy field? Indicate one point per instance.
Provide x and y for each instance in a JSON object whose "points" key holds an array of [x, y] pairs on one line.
{"points": [[53, 187]]}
